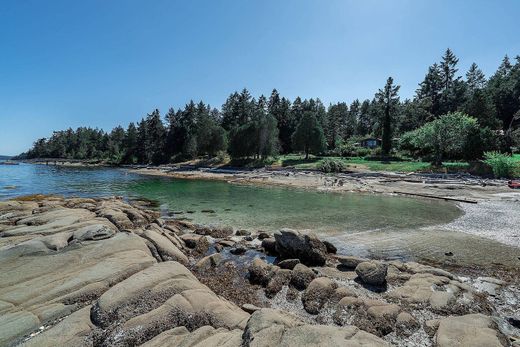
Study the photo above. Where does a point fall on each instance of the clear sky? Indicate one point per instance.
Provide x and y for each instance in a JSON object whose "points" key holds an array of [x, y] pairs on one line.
{"points": [[108, 62]]}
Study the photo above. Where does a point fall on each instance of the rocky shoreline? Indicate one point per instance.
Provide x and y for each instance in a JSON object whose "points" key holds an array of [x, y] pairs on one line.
{"points": [[109, 272], [454, 187]]}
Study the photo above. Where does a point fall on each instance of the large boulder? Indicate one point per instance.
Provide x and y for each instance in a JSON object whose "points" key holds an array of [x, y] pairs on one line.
{"points": [[306, 247], [372, 272], [302, 276], [319, 291]]}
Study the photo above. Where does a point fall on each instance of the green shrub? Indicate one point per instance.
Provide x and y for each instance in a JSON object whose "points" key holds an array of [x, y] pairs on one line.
{"points": [[352, 150], [330, 165], [502, 164]]}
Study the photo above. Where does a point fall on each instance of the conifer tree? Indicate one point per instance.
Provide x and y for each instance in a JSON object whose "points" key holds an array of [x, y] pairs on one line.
{"points": [[388, 99]]}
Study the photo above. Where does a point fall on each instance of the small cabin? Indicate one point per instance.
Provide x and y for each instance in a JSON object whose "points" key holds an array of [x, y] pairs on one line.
{"points": [[370, 142]]}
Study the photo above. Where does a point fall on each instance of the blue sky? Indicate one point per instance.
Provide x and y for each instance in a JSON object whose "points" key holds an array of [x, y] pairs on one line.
{"points": [[103, 63]]}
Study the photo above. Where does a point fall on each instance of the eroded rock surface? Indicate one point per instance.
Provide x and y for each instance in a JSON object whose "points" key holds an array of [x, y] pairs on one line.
{"points": [[102, 272]]}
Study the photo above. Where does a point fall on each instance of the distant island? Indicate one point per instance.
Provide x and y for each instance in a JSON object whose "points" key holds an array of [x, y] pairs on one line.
{"points": [[5, 157]]}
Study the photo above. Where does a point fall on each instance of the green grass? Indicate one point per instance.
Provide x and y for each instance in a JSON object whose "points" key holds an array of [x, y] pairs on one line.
{"points": [[298, 162], [516, 158]]}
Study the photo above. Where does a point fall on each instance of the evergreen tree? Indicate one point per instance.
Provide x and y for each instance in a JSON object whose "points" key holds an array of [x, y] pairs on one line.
{"points": [[504, 89], [430, 91], [130, 144], [364, 124], [116, 140], [280, 109], [448, 69], [475, 78], [341, 124], [388, 99], [155, 138], [308, 135]]}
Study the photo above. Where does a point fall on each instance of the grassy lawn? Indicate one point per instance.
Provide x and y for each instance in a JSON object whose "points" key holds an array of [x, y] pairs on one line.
{"points": [[299, 162]]}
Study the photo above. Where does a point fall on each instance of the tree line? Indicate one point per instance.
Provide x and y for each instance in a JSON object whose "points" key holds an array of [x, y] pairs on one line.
{"points": [[248, 127]]}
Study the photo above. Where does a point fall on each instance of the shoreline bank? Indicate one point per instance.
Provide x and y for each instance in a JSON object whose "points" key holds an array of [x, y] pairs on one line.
{"points": [[434, 186]]}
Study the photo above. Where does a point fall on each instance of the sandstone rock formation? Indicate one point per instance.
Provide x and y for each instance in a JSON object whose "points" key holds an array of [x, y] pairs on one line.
{"points": [[103, 272]]}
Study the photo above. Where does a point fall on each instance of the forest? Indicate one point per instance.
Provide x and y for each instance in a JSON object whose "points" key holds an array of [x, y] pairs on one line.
{"points": [[450, 117]]}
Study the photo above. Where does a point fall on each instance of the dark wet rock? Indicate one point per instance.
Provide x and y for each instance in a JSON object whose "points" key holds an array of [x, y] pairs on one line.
{"points": [[208, 211], [319, 291], [372, 272], [302, 276], [218, 247], [330, 247], [514, 321], [306, 247], [238, 250], [191, 240], [242, 232], [269, 245], [248, 238], [449, 254], [288, 263], [263, 235]]}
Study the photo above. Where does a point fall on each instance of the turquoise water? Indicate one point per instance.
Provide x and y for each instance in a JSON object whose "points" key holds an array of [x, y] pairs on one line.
{"points": [[240, 206], [359, 224]]}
